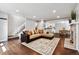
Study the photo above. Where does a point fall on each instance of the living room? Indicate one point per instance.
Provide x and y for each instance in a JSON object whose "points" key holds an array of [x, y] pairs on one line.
{"points": [[39, 29]]}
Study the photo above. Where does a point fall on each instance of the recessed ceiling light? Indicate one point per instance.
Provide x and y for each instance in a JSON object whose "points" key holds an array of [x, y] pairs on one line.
{"points": [[17, 10], [34, 16], [54, 11], [58, 16]]}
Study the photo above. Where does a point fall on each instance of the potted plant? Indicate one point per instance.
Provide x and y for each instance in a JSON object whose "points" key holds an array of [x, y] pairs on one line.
{"points": [[73, 16]]}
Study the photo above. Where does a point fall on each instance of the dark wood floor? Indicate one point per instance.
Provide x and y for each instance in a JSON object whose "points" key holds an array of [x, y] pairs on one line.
{"points": [[13, 47], [60, 50]]}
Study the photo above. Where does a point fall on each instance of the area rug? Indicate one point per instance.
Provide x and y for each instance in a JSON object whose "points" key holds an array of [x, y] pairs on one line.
{"points": [[43, 46]]}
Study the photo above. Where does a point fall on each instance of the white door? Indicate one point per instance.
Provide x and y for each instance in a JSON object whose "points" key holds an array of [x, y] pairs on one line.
{"points": [[3, 30]]}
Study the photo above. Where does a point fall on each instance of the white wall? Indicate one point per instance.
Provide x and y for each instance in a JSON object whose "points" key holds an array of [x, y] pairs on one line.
{"points": [[59, 24], [41, 24], [14, 21], [3, 27], [30, 25]]}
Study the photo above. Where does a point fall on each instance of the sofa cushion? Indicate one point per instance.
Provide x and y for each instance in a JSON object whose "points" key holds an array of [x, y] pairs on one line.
{"points": [[34, 36], [30, 33], [48, 35]]}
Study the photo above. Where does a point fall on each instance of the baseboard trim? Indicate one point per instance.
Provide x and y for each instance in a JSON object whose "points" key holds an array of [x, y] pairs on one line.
{"points": [[13, 38]]}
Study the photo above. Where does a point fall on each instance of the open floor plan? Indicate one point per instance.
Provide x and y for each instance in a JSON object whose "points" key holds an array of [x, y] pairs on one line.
{"points": [[39, 28]]}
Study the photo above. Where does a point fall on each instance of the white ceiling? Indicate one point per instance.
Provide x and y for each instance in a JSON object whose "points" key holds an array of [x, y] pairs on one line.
{"points": [[40, 10]]}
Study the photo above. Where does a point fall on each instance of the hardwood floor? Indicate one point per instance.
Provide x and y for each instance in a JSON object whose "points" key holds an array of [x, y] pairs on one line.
{"points": [[13, 47], [60, 50]]}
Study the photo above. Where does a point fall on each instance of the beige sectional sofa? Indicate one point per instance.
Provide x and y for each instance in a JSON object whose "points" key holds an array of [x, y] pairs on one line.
{"points": [[33, 36], [28, 38]]}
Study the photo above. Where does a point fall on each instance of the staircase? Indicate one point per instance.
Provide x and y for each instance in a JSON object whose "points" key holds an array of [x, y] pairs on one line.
{"points": [[18, 31]]}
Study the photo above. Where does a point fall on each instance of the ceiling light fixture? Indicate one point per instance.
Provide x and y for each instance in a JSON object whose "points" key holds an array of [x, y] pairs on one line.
{"points": [[54, 11], [58, 16], [17, 10], [34, 16]]}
